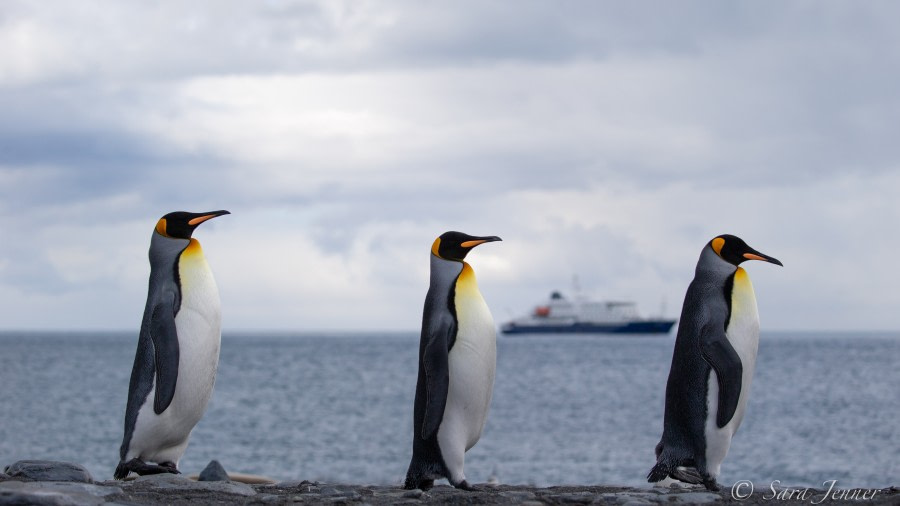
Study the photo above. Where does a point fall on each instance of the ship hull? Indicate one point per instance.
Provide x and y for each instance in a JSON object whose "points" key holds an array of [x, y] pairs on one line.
{"points": [[636, 327]]}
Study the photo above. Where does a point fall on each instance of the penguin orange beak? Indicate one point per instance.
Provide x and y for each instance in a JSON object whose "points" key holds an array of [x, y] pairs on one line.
{"points": [[764, 258], [480, 240], [208, 216]]}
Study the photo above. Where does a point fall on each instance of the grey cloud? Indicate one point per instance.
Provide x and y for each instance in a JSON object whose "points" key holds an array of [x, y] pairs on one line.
{"points": [[510, 99], [171, 40]]}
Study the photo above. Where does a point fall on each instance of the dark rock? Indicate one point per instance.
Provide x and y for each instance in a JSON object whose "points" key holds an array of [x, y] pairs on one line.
{"points": [[518, 495], [576, 498], [229, 487], [55, 493], [342, 491], [302, 485], [49, 470], [696, 497], [213, 472]]}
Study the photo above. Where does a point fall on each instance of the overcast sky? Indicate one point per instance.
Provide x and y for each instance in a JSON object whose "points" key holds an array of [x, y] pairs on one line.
{"points": [[604, 140]]}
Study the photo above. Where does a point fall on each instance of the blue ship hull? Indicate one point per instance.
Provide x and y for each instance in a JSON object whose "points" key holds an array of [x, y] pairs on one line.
{"points": [[635, 327]]}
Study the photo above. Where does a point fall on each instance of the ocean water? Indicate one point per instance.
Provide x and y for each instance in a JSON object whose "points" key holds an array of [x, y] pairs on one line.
{"points": [[566, 410]]}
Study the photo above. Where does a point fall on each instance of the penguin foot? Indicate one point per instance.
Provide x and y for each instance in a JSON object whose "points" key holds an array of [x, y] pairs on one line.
{"points": [[170, 467], [464, 485], [688, 475], [423, 484], [142, 468], [710, 484]]}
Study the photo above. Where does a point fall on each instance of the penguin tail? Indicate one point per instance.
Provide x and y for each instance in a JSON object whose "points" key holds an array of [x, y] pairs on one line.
{"points": [[418, 478], [421, 474], [667, 469], [121, 471], [672, 464], [662, 469], [659, 472]]}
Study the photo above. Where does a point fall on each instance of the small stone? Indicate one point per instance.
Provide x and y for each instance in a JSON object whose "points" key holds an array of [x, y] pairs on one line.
{"points": [[49, 470], [269, 498], [213, 472], [413, 494]]}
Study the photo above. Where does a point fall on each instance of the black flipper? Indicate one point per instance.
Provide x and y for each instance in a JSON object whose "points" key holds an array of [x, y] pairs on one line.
{"points": [[437, 373], [165, 353], [718, 352]]}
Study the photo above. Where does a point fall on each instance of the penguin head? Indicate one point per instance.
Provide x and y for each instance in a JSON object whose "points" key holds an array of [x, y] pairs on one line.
{"points": [[734, 250], [456, 245], [181, 224]]}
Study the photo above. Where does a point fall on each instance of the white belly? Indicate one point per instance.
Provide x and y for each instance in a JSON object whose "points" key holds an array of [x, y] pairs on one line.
{"points": [[743, 334], [473, 361], [472, 364], [164, 437]]}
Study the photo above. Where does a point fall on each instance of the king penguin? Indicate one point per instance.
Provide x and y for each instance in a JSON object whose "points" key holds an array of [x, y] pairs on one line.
{"points": [[177, 352], [457, 361], [712, 365]]}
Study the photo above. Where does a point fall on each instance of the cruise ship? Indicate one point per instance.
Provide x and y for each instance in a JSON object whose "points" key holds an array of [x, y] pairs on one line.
{"points": [[563, 316]]}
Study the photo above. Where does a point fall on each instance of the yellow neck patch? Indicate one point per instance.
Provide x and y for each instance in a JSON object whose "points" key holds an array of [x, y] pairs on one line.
{"points": [[193, 248], [465, 283]]}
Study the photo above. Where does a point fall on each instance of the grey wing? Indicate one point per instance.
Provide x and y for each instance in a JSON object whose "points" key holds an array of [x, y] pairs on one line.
{"points": [[721, 356], [435, 359], [165, 352]]}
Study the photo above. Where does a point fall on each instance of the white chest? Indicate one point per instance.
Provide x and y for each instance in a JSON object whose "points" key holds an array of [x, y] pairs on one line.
{"points": [[198, 323], [472, 360], [743, 334]]}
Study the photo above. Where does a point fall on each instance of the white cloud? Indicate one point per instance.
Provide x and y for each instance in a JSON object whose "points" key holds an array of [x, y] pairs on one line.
{"points": [[31, 52], [345, 136]]}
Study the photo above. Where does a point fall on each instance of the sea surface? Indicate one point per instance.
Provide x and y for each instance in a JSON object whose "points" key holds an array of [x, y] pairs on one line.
{"points": [[566, 410]]}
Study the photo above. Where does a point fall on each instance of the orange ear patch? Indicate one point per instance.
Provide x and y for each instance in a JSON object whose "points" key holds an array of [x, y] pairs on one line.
{"points": [[161, 227], [717, 244], [435, 246]]}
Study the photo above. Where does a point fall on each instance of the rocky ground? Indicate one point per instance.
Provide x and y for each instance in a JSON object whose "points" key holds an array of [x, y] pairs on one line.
{"points": [[61, 484]]}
